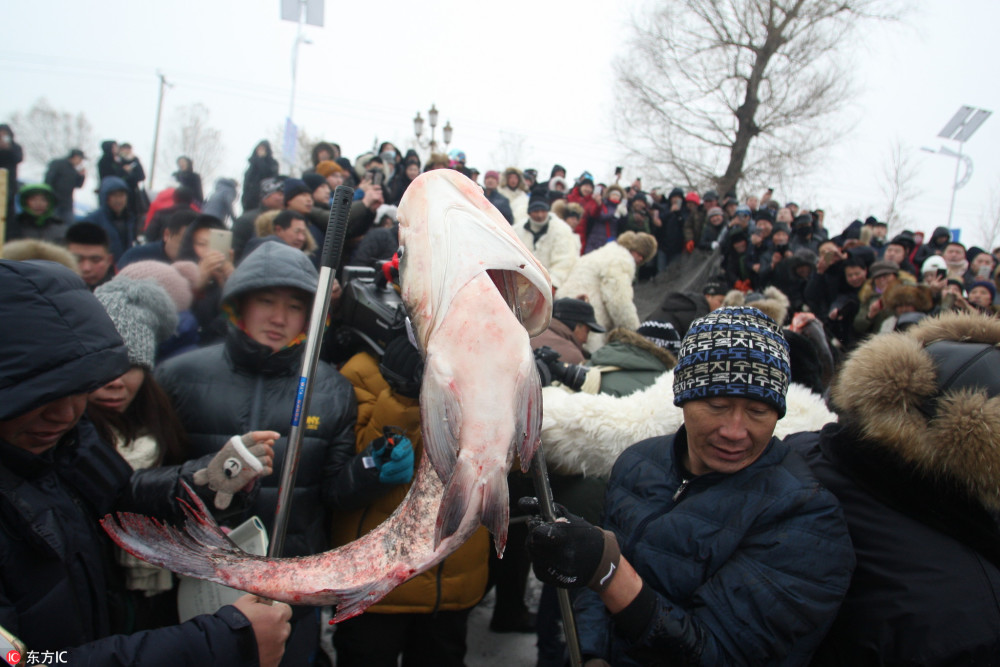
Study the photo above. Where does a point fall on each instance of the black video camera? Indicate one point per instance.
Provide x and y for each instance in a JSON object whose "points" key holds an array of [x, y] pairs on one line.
{"points": [[550, 369], [370, 314]]}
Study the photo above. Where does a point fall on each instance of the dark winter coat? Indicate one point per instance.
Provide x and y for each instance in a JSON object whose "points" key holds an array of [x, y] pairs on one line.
{"points": [[192, 181], [108, 165], [680, 309], [26, 225], [259, 169], [10, 156], [59, 584], [63, 178], [379, 243], [917, 481], [121, 228], [934, 246], [501, 203], [241, 386], [670, 234], [559, 337], [638, 361], [747, 568]]}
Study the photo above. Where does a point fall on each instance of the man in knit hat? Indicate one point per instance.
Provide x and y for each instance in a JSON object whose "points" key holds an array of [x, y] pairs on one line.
{"points": [[720, 547]]}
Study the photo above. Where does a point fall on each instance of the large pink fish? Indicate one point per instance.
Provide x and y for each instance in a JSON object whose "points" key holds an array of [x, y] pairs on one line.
{"points": [[474, 294]]}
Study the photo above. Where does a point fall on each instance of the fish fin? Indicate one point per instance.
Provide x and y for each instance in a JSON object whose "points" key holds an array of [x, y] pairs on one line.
{"points": [[529, 410], [458, 494], [441, 418], [353, 601], [193, 550], [496, 509]]}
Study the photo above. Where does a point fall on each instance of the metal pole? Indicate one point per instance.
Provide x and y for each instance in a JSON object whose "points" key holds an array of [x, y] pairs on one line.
{"points": [[156, 134], [333, 248], [954, 184], [295, 66], [544, 491]]}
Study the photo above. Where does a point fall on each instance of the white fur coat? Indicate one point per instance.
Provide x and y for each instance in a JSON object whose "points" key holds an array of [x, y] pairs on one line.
{"points": [[558, 249], [585, 433], [605, 277]]}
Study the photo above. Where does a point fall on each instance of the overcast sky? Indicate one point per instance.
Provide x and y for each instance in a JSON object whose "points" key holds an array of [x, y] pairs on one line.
{"points": [[500, 72]]}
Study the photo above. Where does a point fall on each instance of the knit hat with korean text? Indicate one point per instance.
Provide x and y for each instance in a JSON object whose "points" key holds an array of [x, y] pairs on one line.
{"points": [[736, 352]]}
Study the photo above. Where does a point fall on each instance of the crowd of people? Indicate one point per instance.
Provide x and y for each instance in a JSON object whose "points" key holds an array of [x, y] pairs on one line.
{"points": [[156, 342]]}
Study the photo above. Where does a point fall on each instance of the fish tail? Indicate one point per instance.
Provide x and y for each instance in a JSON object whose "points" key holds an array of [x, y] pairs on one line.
{"points": [[351, 602], [496, 509], [182, 550], [457, 496]]}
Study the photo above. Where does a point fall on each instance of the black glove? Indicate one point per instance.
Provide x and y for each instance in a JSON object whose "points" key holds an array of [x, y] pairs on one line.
{"points": [[402, 367], [570, 553]]}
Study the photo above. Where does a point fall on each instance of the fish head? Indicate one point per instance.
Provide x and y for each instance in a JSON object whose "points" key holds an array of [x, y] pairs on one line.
{"points": [[449, 233]]}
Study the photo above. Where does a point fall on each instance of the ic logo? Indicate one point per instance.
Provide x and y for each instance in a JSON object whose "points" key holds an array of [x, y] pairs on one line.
{"points": [[13, 657]]}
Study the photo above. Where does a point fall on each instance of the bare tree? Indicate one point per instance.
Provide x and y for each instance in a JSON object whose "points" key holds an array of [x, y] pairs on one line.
{"points": [[713, 91], [896, 182], [47, 133], [509, 152], [989, 221], [192, 136]]}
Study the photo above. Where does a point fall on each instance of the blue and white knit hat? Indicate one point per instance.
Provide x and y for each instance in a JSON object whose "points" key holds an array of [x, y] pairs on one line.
{"points": [[736, 351]]}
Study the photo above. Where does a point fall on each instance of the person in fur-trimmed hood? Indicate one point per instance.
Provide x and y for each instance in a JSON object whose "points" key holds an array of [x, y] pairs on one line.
{"points": [[604, 278], [913, 461], [514, 188], [550, 240], [633, 360]]}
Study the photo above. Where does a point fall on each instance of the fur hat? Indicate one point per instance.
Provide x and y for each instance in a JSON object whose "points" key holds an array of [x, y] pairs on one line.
{"points": [[143, 314], [931, 397], [735, 351], [903, 294], [24, 249], [166, 276], [640, 242], [573, 208], [772, 302]]}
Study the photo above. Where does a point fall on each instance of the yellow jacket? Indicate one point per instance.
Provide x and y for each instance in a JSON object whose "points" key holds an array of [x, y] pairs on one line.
{"points": [[458, 582]]}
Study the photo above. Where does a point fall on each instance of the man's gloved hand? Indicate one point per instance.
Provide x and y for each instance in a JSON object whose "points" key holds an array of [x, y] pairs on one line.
{"points": [[393, 456], [402, 367], [570, 553], [238, 464], [689, 247]]}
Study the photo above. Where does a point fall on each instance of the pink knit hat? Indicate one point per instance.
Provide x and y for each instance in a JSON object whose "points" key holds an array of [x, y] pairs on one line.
{"points": [[168, 277]]}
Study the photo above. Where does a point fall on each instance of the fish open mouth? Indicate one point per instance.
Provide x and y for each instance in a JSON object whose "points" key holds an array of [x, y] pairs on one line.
{"points": [[525, 299]]}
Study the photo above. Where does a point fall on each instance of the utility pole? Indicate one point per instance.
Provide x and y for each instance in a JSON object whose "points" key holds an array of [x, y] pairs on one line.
{"points": [[301, 12], [156, 134]]}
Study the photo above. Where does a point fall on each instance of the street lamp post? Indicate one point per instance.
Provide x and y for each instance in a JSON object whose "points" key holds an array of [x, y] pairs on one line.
{"points": [[960, 128], [432, 117]]}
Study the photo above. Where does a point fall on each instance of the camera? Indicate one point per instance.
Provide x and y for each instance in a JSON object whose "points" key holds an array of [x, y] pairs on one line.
{"points": [[550, 369], [377, 176], [370, 314]]}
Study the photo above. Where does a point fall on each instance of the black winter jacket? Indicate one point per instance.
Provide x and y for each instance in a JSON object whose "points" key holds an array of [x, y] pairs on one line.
{"points": [[240, 386], [748, 568], [927, 583], [59, 581]]}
